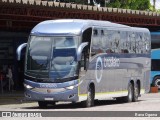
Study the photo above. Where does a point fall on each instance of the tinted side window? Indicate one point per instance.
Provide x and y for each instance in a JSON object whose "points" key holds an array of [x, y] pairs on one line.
{"points": [[114, 39], [132, 42], [155, 65], [139, 42], [95, 47], [147, 43], [124, 44]]}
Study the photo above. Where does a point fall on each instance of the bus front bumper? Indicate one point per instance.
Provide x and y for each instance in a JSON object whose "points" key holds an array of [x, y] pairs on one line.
{"points": [[68, 95], [62, 92]]}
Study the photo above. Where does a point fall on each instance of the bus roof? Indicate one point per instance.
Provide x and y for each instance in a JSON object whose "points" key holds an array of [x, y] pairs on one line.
{"points": [[70, 26]]}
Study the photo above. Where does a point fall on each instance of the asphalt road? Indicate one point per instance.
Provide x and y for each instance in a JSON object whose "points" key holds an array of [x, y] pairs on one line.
{"points": [[147, 102]]}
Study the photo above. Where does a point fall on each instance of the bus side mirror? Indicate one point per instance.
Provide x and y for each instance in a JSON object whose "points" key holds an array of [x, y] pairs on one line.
{"points": [[19, 49], [80, 49]]}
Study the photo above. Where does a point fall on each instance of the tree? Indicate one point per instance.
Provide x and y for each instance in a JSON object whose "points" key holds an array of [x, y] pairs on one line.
{"points": [[125, 4], [144, 5], [130, 4], [154, 5], [115, 4], [134, 4], [74, 1]]}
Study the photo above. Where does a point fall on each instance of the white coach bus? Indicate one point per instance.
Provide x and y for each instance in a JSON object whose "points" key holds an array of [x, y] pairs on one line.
{"points": [[82, 60]]}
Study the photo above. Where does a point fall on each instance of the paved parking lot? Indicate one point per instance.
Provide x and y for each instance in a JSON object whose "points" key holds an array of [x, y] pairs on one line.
{"points": [[147, 102]]}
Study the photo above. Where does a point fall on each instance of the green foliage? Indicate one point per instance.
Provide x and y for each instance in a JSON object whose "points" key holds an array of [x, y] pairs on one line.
{"points": [[130, 4], [134, 4], [144, 5], [80, 1], [125, 4], [115, 4], [75, 1]]}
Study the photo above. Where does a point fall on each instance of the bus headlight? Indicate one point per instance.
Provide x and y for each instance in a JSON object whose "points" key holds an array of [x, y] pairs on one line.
{"points": [[28, 86], [73, 86], [70, 87]]}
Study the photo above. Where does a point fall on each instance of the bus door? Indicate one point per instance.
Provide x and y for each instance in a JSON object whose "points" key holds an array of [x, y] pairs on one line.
{"points": [[84, 62]]}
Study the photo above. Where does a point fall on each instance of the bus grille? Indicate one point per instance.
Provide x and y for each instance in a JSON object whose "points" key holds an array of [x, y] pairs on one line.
{"points": [[45, 90]]}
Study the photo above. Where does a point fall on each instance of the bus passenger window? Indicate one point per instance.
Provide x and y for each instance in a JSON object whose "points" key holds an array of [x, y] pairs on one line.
{"points": [[109, 51], [124, 51], [95, 32], [102, 32]]}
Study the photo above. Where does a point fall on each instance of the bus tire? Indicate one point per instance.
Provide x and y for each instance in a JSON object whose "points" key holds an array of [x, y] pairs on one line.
{"points": [[156, 81], [90, 98], [136, 93], [129, 97], [43, 104]]}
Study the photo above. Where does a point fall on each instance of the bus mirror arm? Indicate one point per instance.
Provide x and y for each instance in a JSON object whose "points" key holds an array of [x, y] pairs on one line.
{"points": [[19, 49], [80, 49]]}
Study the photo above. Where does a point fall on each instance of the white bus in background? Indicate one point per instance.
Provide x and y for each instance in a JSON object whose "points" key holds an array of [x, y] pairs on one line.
{"points": [[82, 60]]}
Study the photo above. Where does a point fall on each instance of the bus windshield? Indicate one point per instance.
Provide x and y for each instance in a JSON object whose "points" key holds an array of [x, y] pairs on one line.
{"points": [[52, 57]]}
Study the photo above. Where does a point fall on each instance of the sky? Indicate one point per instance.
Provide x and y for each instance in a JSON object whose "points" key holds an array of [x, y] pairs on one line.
{"points": [[157, 3]]}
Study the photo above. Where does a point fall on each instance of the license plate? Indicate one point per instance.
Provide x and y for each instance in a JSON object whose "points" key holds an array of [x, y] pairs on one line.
{"points": [[48, 99]]}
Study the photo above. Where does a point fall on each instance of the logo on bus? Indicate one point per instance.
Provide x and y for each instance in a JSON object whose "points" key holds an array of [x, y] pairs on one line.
{"points": [[111, 62], [46, 85], [103, 63], [99, 69]]}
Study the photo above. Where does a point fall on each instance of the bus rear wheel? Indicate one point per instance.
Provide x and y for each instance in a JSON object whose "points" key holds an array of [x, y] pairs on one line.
{"points": [[136, 93], [129, 97]]}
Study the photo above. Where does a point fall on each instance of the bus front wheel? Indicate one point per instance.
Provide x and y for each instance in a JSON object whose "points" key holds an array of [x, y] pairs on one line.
{"points": [[43, 104], [90, 98], [129, 97]]}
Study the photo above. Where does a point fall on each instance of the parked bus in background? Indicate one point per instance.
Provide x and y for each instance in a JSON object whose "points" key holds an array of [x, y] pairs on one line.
{"points": [[155, 67], [82, 60], [155, 40], [155, 59]]}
